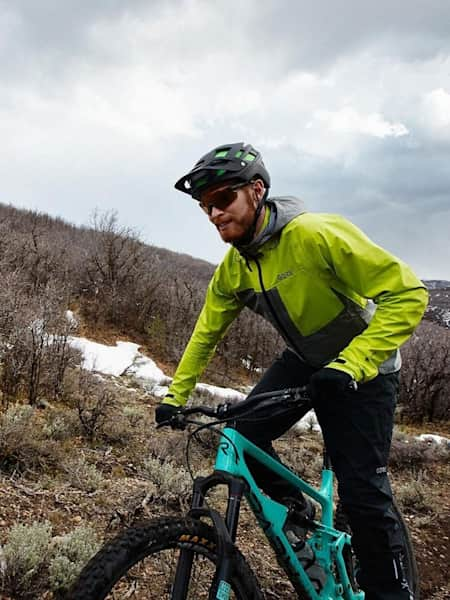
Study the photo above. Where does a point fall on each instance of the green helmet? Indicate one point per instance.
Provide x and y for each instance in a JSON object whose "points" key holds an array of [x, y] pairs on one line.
{"points": [[232, 162]]}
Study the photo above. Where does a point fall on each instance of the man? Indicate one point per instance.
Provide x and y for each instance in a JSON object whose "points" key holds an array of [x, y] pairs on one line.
{"points": [[343, 305]]}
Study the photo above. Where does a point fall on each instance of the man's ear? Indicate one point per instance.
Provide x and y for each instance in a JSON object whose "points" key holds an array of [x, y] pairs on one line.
{"points": [[259, 188]]}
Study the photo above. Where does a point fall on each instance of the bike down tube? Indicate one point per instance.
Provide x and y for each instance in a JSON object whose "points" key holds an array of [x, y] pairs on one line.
{"points": [[272, 515], [226, 461]]}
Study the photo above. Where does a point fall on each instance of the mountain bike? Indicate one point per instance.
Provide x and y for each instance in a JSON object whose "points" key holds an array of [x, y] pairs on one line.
{"points": [[196, 556]]}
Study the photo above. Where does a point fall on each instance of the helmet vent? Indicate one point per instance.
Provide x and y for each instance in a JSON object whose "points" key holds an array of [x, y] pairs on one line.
{"points": [[237, 162]]}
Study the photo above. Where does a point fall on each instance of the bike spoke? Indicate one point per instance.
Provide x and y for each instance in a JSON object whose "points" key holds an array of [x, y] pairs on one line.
{"points": [[153, 578]]}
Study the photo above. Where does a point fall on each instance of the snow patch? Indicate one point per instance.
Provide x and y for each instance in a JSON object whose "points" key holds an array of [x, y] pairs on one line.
{"points": [[308, 423], [109, 360], [214, 391], [125, 359], [434, 438], [122, 359], [71, 319]]}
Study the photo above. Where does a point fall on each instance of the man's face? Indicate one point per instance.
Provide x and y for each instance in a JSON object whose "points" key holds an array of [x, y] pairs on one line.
{"points": [[232, 210]]}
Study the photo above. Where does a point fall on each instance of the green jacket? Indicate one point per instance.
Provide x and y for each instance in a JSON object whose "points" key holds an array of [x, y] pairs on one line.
{"points": [[337, 299]]}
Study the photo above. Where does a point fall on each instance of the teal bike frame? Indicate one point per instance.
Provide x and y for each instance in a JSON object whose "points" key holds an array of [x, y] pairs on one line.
{"points": [[331, 548], [326, 542]]}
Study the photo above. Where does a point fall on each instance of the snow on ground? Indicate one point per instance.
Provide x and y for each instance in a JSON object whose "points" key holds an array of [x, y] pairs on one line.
{"points": [[434, 438], [220, 393], [308, 423], [71, 319], [122, 359], [125, 359]]}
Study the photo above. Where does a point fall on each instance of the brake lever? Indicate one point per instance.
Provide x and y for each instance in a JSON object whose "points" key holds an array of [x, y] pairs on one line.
{"points": [[222, 410], [177, 421], [300, 395]]}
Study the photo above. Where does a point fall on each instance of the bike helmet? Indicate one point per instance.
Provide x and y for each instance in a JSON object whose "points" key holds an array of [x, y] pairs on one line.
{"points": [[232, 162]]}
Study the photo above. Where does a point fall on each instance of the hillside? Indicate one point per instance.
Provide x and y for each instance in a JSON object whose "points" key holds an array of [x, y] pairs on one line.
{"points": [[122, 285], [439, 305], [80, 457], [76, 472]]}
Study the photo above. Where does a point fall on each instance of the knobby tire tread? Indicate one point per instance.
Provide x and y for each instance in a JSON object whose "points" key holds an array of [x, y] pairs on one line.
{"points": [[117, 557], [410, 557]]}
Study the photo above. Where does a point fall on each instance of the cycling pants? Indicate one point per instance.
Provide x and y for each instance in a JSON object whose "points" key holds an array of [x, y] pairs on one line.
{"points": [[357, 431]]}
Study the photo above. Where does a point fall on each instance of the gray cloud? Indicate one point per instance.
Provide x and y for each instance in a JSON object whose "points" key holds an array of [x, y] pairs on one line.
{"points": [[105, 104]]}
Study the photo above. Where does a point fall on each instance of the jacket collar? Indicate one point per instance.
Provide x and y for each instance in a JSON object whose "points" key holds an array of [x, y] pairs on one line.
{"points": [[281, 210]]}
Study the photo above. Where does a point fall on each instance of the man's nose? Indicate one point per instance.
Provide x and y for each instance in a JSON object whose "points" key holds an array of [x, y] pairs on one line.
{"points": [[214, 212]]}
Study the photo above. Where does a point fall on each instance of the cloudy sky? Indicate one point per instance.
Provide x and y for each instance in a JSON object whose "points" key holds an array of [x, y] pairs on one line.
{"points": [[105, 104]]}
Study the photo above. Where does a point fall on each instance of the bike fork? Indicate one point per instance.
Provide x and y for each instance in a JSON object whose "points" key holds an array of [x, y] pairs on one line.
{"points": [[186, 558], [226, 535]]}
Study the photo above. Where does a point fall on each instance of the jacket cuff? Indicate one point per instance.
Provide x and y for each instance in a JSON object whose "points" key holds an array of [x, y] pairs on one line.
{"points": [[345, 368], [173, 401]]}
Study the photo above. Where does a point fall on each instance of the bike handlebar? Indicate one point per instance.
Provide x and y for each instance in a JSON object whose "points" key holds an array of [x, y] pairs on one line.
{"points": [[228, 411]]}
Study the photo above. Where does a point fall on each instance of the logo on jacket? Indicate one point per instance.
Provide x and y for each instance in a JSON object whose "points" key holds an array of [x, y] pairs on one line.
{"points": [[284, 275]]}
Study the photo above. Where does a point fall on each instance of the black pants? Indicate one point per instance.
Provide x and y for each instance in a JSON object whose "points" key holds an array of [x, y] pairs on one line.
{"points": [[357, 430]]}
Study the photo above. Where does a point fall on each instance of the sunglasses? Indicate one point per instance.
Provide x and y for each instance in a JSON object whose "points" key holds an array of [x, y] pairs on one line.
{"points": [[221, 199]]}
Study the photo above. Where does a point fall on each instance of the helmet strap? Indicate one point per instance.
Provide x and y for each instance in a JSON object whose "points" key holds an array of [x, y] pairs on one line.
{"points": [[251, 231]]}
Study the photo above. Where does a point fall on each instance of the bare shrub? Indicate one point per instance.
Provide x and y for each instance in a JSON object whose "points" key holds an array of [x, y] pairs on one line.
{"points": [[408, 454], [117, 429], [251, 345], [207, 440], [71, 552], [172, 483], [305, 458], [134, 414], [411, 454], [13, 352], [412, 495], [83, 475], [26, 552], [425, 381], [170, 447], [34, 348], [35, 562], [23, 445], [93, 400], [120, 281], [60, 424]]}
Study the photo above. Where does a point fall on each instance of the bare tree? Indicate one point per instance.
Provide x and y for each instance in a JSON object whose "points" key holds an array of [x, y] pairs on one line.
{"points": [[120, 280], [425, 382]]}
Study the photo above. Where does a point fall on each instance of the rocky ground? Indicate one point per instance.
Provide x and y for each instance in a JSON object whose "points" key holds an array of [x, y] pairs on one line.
{"points": [[72, 474]]}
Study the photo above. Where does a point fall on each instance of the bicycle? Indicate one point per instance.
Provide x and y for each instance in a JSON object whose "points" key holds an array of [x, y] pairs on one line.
{"points": [[181, 558]]}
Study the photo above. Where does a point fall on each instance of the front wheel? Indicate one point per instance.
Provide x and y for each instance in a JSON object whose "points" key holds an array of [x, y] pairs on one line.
{"points": [[141, 563]]}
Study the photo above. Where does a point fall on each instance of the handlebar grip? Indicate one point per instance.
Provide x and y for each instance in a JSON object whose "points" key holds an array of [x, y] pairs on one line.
{"points": [[177, 421]]}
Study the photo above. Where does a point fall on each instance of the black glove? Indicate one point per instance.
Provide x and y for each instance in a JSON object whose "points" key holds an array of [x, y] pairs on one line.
{"points": [[164, 412], [328, 383]]}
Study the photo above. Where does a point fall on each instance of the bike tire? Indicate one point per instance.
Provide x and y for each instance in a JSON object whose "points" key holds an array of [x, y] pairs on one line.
{"points": [[412, 574], [135, 564]]}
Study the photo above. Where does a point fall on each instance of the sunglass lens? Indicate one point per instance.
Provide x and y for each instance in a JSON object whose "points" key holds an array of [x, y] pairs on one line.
{"points": [[220, 199]]}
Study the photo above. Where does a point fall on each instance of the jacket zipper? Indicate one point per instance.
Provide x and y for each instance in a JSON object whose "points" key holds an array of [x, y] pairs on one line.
{"points": [[273, 312]]}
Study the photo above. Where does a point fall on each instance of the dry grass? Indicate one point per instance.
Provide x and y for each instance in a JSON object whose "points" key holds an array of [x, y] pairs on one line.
{"points": [[129, 471]]}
